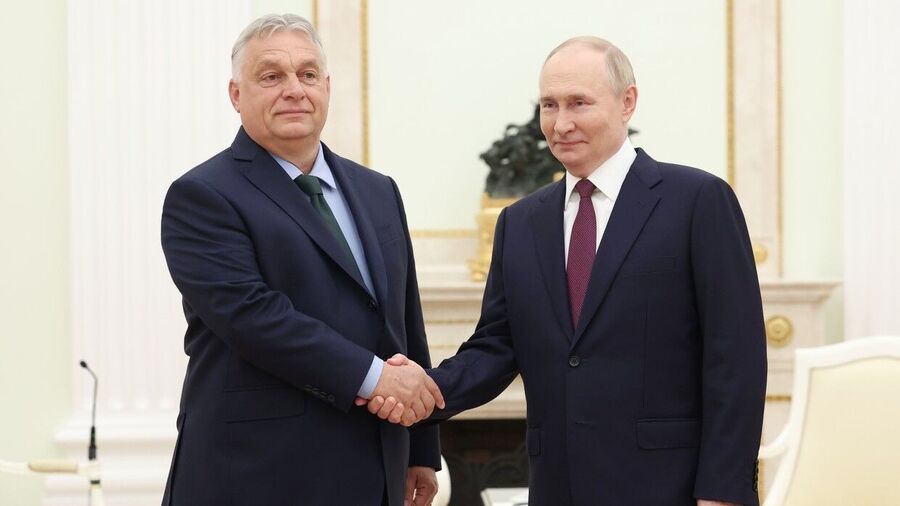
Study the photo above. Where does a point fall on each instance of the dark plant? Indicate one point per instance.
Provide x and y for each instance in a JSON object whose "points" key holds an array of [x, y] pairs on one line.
{"points": [[520, 162]]}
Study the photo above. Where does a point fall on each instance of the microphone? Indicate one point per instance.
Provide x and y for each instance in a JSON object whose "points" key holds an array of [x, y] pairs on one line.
{"points": [[92, 447]]}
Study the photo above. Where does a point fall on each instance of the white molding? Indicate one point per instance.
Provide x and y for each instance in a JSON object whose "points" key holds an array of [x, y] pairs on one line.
{"points": [[147, 101], [871, 72]]}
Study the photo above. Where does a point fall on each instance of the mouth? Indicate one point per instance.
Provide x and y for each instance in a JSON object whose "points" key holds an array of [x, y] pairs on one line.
{"points": [[566, 144], [292, 113]]}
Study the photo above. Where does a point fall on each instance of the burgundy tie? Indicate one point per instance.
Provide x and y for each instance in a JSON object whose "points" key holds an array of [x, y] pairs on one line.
{"points": [[582, 248]]}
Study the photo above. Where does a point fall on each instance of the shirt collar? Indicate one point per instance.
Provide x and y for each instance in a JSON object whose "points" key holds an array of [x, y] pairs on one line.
{"points": [[608, 178], [320, 168]]}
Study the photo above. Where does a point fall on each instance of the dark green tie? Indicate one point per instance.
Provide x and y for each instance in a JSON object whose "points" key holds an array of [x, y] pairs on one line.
{"points": [[312, 186]]}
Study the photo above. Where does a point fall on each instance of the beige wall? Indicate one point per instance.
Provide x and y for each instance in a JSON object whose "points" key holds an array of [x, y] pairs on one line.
{"points": [[812, 48], [300, 7], [446, 79], [35, 359]]}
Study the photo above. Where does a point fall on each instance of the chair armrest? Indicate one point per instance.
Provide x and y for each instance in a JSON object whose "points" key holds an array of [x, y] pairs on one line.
{"points": [[776, 447]]}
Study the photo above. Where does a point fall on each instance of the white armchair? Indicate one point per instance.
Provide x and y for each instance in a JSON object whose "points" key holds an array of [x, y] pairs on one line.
{"points": [[443, 477], [841, 444]]}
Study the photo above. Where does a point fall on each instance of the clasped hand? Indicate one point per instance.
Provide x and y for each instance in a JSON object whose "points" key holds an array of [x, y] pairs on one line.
{"points": [[404, 393]]}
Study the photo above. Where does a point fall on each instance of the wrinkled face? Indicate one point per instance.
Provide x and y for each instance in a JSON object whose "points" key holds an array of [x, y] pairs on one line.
{"points": [[282, 90], [584, 120]]}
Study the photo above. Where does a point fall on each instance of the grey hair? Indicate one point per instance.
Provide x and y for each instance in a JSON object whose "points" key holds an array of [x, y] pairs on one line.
{"points": [[267, 25], [618, 68]]}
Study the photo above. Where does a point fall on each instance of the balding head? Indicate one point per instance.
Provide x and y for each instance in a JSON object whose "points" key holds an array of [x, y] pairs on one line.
{"points": [[618, 68]]}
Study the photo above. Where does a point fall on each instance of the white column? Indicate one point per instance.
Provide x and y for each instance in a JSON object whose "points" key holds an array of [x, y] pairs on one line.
{"points": [[756, 133], [871, 168], [341, 29], [148, 101]]}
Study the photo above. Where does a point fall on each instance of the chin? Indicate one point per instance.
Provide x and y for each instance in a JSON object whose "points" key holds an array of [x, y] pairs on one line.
{"points": [[294, 132]]}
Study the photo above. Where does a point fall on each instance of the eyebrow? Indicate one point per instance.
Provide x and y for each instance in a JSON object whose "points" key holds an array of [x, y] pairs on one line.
{"points": [[274, 61], [571, 96]]}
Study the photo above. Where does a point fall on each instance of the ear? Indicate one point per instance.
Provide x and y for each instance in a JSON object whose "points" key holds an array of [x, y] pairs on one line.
{"points": [[328, 84], [629, 102], [234, 93]]}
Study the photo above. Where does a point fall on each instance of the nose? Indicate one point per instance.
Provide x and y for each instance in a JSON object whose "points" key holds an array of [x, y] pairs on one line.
{"points": [[293, 88], [563, 124]]}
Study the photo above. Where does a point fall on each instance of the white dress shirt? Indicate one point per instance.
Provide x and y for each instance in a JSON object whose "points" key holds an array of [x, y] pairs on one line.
{"points": [[608, 179]]}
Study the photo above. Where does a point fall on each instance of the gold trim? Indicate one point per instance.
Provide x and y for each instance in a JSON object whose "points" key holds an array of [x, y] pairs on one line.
{"points": [[364, 75], [779, 398], [760, 253], [462, 233], [779, 331], [779, 140], [487, 222], [729, 85], [315, 14]]}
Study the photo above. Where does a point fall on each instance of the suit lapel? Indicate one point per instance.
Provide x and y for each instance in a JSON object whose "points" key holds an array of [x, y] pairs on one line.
{"points": [[547, 220], [633, 207], [349, 186], [265, 174]]}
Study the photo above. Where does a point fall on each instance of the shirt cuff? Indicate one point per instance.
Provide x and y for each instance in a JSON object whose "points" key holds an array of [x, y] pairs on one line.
{"points": [[371, 380]]}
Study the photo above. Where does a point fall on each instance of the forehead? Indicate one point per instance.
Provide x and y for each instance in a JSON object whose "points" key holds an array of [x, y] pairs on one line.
{"points": [[574, 68], [284, 47]]}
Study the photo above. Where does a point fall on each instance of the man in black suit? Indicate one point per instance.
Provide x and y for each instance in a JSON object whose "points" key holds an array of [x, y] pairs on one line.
{"points": [[626, 296], [298, 279]]}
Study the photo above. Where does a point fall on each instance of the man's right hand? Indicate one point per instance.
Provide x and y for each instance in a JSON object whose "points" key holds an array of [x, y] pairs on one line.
{"points": [[404, 393]]}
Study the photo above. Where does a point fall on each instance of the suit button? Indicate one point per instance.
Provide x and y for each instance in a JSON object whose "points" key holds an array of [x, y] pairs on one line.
{"points": [[574, 361], [331, 399], [373, 306]]}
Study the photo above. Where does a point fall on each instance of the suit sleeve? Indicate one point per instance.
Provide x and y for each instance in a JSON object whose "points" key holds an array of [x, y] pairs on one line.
{"points": [[212, 261], [424, 440], [485, 364], [734, 347]]}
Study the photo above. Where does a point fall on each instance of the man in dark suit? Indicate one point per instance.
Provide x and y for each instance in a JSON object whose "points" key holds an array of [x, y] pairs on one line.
{"points": [[626, 296], [294, 292]]}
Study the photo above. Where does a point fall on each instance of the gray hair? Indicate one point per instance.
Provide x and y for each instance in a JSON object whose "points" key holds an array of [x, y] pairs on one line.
{"points": [[267, 25], [618, 68]]}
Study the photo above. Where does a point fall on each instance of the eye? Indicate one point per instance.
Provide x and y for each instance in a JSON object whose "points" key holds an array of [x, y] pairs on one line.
{"points": [[547, 105], [269, 79], [579, 103], [309, 76]]}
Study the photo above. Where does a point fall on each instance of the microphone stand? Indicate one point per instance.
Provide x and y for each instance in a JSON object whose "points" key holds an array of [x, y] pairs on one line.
{"points": [[92, 446]]}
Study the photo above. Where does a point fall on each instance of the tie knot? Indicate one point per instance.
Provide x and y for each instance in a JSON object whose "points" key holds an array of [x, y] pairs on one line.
{"points": [[311, 185], [585, 188]]}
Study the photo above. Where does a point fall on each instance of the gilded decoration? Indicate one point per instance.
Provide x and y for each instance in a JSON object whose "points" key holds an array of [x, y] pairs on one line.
{"points": [[779, 331]]}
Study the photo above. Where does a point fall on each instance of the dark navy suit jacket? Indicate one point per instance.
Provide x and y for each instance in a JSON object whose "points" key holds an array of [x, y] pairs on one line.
{"points": [[656, 396], [281, 332]]}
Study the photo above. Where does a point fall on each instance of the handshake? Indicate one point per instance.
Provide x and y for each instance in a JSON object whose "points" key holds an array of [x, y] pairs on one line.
{"points": [[404, 393]]}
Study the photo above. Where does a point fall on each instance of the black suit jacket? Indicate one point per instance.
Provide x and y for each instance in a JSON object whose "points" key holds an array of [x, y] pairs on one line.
{"points": [[656, 395], [281, 332]]}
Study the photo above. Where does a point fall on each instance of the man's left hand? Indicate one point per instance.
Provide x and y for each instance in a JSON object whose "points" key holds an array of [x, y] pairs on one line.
{"points": [[704, 502], [421, 486]]}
